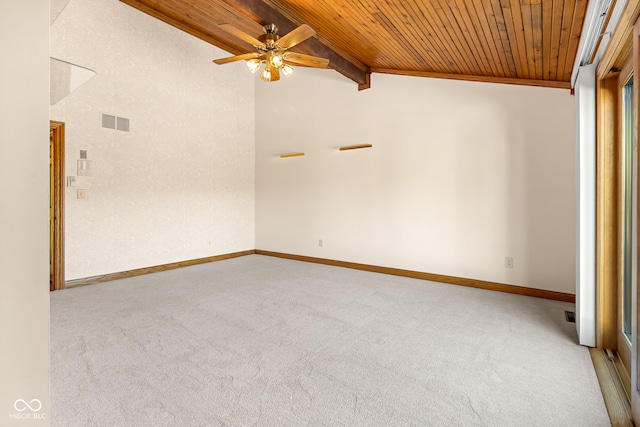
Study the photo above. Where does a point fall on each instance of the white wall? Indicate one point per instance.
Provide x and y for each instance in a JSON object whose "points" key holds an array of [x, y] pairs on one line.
{"points": [[24, 224], [460, 176], [180, 184]]}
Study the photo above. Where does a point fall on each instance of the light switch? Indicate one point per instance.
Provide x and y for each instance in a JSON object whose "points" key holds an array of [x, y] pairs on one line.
{"points": [[84, 167], [71, 181], [82, 193]]}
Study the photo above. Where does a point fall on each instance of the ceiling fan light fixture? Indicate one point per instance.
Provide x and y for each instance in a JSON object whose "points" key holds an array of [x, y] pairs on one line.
{"points": [[287, 70], [276, 60], [266, 74], [254, 65]]}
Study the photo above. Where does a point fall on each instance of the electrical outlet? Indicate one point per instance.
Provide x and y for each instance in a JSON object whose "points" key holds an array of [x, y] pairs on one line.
{"points": [[508, 263], [320, 243], [82, 193]]}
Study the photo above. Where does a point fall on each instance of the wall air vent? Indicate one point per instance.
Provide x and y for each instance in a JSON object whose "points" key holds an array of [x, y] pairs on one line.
{"points": [[108, 121], [114, 122], [122, 124]]}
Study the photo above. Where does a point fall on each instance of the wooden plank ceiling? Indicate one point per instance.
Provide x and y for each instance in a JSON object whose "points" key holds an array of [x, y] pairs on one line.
{"points": [[531, 42]]}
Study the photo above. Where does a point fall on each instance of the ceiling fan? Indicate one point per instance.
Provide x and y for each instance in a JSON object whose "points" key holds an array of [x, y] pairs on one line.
{"points": [[273, 51]]}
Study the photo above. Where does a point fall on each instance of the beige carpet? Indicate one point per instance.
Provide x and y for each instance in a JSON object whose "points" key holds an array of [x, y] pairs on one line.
{"points": [[260, 341]]}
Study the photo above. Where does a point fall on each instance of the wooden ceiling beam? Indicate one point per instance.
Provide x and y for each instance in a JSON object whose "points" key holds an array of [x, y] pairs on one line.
{"points": [[322, 37], [261, 12]]}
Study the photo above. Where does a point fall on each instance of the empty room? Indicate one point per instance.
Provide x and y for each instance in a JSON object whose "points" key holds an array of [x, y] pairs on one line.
{"points": [[287, 213]]}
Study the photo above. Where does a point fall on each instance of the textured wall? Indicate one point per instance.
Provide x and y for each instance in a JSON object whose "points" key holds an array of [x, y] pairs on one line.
{"points": [[180, 184], [461, 175]]}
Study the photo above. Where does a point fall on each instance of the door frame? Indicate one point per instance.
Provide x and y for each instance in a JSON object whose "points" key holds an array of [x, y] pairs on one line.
{"points": [[635, 386], [624, 43], [607, 214], [620, 49], [56, 130], [624, 345]]}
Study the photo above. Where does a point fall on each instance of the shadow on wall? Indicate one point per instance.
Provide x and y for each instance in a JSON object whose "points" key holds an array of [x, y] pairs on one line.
{"points": [[517, 182], [542, 180]]}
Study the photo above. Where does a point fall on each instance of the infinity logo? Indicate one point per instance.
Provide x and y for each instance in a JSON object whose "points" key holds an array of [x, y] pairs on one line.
{"points": [[21, 403]]}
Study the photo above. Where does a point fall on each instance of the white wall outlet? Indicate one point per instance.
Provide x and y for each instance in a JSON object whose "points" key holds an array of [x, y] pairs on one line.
{"points": [[82, 193], [320, 243], [508, 263]]}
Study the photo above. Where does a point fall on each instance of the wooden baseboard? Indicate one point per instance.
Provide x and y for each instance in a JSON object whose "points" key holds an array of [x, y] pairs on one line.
{"points": [[613, 399], [500, 287], [154, 269]]}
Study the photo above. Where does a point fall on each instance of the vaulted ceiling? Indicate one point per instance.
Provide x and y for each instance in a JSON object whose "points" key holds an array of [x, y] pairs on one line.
{"points": [[532, 42]]}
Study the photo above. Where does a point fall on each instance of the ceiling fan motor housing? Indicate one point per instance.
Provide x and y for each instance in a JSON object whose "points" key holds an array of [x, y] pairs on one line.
{"points": [[270, 29], [270, 36]]}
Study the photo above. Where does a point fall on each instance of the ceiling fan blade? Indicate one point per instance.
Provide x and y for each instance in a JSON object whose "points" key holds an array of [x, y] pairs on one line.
{"points": [[240, 34], [305, 60], [296, 36], [237, 58]]}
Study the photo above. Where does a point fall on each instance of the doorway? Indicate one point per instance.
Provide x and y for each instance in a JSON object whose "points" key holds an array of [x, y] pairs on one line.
{"points": [[56, 205]]}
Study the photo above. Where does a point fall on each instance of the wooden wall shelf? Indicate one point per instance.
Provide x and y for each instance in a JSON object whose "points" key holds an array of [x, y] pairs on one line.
{"points": [[284, 156], [355, 147]]}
